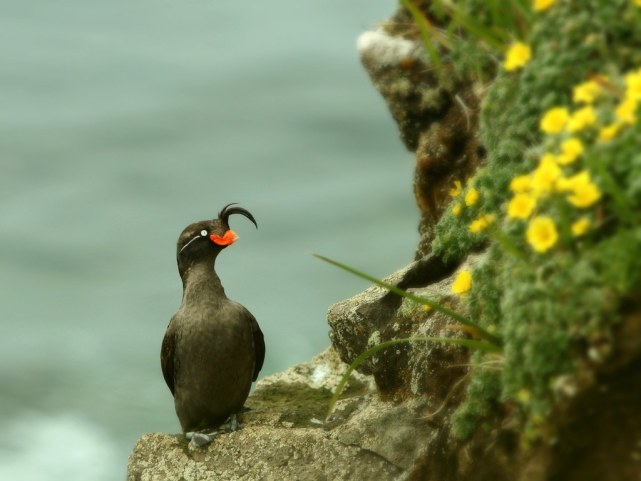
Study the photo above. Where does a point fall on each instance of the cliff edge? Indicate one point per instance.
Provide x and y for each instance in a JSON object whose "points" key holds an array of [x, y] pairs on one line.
{"points": [[525, 290]]}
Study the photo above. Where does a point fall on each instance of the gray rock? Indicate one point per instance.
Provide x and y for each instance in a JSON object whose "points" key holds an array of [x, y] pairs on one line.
{"points": [[375, 315], [284, 435], [256, 453]]}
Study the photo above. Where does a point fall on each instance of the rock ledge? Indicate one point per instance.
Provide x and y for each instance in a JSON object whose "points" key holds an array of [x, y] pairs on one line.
{"points": [[284, 435]]}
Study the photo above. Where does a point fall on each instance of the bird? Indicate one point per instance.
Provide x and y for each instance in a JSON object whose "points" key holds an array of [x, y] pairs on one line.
{"points": [[213, 348]]}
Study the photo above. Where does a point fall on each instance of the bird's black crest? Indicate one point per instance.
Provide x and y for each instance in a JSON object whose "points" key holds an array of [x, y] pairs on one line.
{"points": [[228, 210]]}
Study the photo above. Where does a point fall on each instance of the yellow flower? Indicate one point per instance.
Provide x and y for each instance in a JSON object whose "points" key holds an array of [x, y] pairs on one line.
{"points": [[633, 85], [580, 227], [541, 233], [547, 158], [582, 191], [609, 131], [457, 209], [563, 184], [521, 206], [481, 223], [586, 92], [554, 120], [570, 150], [517, 56], [637, 3], [546, 175], [626, 111], [462, 283], [520, 183], [471, 197], [540, 5], [581, 119], [426, 308], [456, 188], [585, 195]]}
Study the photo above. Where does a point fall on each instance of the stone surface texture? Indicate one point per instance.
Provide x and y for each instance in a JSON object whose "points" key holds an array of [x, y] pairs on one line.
{"points": [[284, 435]]}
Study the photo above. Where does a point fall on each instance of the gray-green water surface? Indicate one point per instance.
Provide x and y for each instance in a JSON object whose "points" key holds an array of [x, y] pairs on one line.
{"points": [[120, 123]]}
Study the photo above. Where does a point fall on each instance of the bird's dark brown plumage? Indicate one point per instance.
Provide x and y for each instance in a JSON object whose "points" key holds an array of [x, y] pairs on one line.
{"points": [[213, 348]]}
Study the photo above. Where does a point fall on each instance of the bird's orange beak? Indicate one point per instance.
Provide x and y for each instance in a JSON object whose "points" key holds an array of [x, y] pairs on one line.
{"points": [[228, 238]]}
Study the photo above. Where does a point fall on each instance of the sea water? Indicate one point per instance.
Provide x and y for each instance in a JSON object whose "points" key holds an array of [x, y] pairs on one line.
{"points": [[120, 123]]}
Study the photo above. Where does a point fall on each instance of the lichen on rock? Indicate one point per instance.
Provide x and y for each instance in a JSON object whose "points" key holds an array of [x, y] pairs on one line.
{"points": [[437, 117]]}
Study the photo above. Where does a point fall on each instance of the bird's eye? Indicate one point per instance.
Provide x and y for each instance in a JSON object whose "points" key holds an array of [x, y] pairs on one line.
{"points": [[203, 233]]}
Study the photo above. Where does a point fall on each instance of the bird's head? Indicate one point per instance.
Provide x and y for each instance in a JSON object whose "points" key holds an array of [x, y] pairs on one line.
{"points": [[207, 238]]}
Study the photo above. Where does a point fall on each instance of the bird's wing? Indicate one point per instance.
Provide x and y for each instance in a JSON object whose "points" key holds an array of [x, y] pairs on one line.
{"points": [[167, 357], [259, 345]]}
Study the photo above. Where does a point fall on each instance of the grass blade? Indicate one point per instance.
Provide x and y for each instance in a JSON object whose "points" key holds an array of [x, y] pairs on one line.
{"points": [[493, 38], [426, 29], [419, 299]]}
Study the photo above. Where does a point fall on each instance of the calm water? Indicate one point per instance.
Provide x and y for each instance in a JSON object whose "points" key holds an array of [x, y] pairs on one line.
{"points": [[120, 123]]}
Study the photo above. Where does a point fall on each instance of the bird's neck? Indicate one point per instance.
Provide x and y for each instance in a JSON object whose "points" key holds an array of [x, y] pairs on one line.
{"points": [[201, 283]]}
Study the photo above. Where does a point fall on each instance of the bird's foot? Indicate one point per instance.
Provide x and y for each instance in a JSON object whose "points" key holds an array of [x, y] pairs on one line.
{"points": [[199, 439], [230, 425]]}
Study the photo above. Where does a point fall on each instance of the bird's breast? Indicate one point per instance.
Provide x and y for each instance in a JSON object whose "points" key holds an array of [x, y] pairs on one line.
{"points": [[214, 346]]}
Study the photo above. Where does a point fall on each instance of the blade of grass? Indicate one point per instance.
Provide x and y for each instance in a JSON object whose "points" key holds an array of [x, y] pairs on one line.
{"points": [[434, 32], [469, 343], [425, 28], [419, 299], [494, 6], [510, 16], [523, 14], [476, 29]]}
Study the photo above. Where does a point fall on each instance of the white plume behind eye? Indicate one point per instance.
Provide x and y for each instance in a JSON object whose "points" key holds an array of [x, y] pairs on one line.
{"points": [[203, 233]]}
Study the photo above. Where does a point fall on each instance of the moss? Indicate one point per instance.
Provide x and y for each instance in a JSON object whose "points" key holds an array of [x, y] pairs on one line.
{"points": [[548, 315], [485, 303], [571, 42], [298, 403], [551, 308], [615, 260], [480, 404]]}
